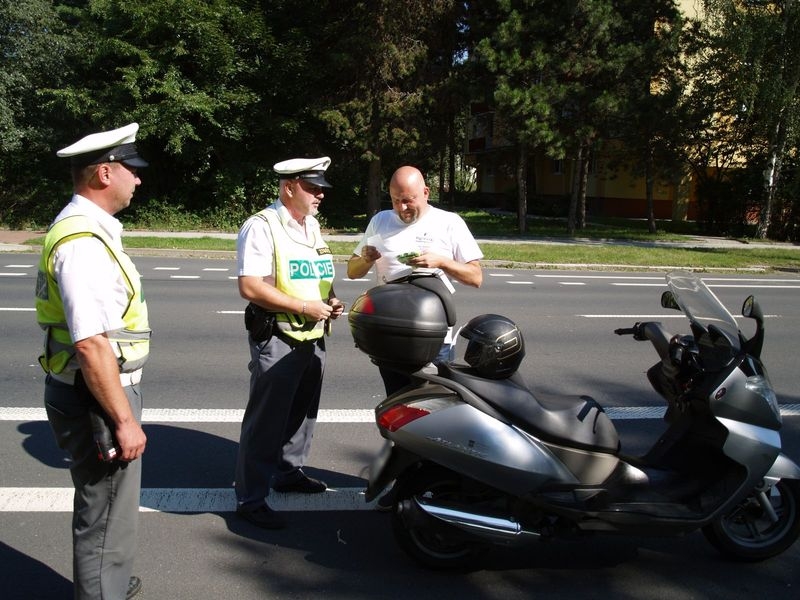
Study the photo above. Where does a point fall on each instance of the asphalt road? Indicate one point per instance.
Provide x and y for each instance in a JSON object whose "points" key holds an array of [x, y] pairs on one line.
{"points": [[191, 546]]}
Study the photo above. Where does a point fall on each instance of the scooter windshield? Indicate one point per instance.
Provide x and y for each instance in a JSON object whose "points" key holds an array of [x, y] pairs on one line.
{"points": [[702, 307]]}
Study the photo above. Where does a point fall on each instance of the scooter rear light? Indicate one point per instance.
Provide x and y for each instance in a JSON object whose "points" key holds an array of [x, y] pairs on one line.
{"points": [[399, 416]]}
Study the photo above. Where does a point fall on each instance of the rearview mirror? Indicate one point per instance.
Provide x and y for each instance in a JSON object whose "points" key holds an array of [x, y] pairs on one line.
{"points": [[668, 301], [751, 309]]}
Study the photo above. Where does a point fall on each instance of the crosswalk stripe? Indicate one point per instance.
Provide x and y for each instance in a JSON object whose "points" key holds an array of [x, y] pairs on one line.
{"points": [[184, 500]]}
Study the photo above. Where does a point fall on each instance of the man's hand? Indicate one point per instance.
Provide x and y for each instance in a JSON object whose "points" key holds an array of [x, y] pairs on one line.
{"points": [[336, 306], [370, 254], [131, 440], [101, 373]]}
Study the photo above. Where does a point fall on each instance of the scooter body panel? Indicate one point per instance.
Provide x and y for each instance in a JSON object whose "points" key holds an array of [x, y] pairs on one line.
{"points": [[470, 442]]}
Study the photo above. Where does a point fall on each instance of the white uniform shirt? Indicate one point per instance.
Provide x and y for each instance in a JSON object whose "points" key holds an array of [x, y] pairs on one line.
{"points": [[92, 285], [255, 250]]}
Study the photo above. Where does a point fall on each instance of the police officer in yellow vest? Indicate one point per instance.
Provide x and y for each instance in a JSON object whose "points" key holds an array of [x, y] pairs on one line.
{"points": [[286, 273], [89, 302]]}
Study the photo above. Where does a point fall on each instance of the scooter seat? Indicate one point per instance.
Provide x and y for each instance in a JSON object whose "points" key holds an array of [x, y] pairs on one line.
{"points": [[575, 421]]}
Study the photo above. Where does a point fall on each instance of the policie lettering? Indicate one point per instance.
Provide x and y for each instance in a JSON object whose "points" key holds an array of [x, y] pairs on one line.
{"points": [[307, 269]]}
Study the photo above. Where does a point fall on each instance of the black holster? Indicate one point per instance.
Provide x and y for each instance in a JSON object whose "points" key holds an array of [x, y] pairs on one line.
{"points": [[259, 322]]}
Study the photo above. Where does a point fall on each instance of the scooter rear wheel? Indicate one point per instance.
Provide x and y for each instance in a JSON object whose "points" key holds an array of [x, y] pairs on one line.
{"points": [[748, 533], [432, 544]]}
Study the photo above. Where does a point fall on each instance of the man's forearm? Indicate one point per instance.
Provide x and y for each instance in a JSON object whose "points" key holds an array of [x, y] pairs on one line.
{"points": [[358, 266]]}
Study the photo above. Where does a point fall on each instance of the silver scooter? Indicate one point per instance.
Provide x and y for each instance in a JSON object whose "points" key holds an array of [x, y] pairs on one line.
{"points": [[479, 459]]}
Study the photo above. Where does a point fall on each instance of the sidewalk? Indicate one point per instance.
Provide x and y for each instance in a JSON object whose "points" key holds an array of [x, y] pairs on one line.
{"points": [[14, 241]]}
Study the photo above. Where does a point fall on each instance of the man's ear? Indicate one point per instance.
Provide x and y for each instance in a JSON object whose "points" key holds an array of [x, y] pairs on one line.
{"points": [[104, 173]]}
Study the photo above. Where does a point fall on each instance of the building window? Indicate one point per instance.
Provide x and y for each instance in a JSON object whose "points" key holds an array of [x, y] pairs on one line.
{"points": [[558, 167]]}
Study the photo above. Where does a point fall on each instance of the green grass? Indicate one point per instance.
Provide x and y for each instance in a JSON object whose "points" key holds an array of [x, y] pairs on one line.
{"points": [[600, 249], [536, 254], [633, 256], [198, 243]]}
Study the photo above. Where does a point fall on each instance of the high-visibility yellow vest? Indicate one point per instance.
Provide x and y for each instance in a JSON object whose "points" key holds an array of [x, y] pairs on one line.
{"points": [[132, 341], [302, 270]]}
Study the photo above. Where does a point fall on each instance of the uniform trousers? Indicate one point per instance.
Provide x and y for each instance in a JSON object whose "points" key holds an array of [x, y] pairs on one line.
{"points": [[106, 502], [278, 423]]}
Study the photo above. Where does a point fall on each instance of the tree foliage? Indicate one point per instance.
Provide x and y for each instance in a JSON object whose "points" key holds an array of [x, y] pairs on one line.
{"points": [[566, 73], [222, 89]]}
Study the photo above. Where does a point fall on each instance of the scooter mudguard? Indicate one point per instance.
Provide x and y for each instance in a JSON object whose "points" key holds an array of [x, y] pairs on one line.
{"points": [[783, 468], [387, 466]]}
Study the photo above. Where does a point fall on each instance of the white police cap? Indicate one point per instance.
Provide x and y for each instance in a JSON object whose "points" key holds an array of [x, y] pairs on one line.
{"points": [[307, 169], [116, 145]]}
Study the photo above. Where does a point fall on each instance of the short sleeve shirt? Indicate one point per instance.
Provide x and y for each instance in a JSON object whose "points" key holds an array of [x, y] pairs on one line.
{"points": [[255, 254], [90, 281], [437, 231]]}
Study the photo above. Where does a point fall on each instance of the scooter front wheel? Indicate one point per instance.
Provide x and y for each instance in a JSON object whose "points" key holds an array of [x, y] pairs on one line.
{"points": [[433, 545], [763, 525]]}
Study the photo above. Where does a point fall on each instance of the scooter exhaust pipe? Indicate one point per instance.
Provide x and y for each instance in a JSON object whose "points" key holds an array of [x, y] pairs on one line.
{"points": [[493, 529]]}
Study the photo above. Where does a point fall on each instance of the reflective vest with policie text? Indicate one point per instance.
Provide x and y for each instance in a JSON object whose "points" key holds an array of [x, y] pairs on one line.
{"points": [[132, 341], [304, 271]]}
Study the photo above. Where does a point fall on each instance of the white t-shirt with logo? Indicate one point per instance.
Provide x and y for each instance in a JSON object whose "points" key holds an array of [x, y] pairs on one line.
{"points": [[437, 231]]}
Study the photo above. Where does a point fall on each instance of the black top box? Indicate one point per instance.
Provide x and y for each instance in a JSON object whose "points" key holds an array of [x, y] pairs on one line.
{"points": [[402, 324]]}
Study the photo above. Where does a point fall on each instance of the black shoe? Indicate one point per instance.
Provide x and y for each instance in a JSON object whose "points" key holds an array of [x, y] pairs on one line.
{"points": [[263, 517], [134, 587], [302, 484]]}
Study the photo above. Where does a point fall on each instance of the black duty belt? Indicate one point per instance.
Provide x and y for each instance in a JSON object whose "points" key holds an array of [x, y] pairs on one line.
{"points": [[292, 342]]}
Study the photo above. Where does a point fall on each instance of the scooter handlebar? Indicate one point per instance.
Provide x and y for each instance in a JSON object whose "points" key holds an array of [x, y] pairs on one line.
{"points": [[649, 330], [625, 331], [637, 331]]}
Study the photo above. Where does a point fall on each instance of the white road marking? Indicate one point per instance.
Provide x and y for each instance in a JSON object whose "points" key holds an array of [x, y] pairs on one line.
{"points": [[196, 415], [166, 268], [758, 286], [625, 284], [183, 500], [567, 276], [220, 500], [12, 274], [184, 276], [520, 283], [638, 317], [572, 283], [353, 415], [216, 269], [17, 309]]}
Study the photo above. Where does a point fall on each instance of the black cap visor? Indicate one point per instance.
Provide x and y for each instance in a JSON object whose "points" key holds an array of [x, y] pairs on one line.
{"points": [[314, 177], [125, 154]]}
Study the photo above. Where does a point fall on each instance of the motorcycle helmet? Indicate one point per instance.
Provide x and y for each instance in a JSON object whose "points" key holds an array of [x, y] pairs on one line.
{"points": [[495, 348]]}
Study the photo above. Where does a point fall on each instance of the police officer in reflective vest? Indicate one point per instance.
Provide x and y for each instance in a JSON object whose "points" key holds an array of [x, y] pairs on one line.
{"points": [[90, 303], [286, 273]]}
